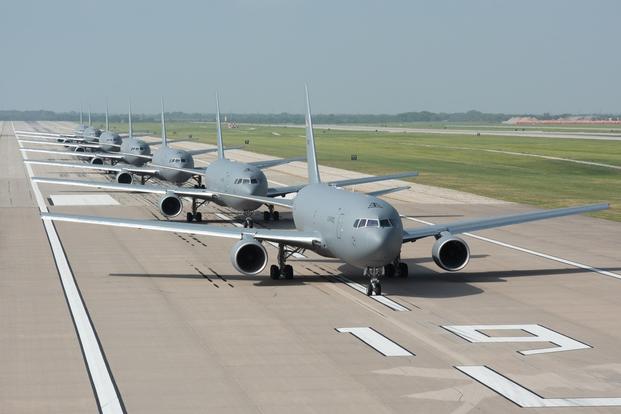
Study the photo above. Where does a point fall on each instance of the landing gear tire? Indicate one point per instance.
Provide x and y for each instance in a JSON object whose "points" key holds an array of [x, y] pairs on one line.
{"points": [[389, 270], [189, 217], [276, 215], [287, 272], [403, 269], [198, 217], [249, 223], [274, 272], [374, 288], [266, 215]]}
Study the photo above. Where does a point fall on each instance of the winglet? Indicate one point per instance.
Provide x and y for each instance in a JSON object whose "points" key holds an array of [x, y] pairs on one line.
{"points": [[311, 155], [129, 120], [164, 139], [219, 129]]}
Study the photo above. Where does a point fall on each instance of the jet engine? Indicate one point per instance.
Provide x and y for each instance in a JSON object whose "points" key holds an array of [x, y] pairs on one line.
{"points": [[80, 149], [249, 256], [450, 253], [171, 205], [96, 161], [124, 177]]}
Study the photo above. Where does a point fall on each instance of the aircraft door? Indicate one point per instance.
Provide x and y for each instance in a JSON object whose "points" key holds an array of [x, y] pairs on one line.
{"points": [[339, 225]]}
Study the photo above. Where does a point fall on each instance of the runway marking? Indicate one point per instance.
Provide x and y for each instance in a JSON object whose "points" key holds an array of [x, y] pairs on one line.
{"points": [[472, 333], [107, 394], [377, 341], [378, 298], [525, 398], [532, 252], [83, 200]]}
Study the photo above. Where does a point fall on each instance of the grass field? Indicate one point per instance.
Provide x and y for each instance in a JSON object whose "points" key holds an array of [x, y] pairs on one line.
{"points": [[458, 162]]}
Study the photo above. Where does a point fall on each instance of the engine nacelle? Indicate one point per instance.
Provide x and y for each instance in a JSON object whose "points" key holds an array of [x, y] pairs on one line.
{"points": [[124, 178], [450, 253], [80, 149], [97, 161], [249, 256], [171, 205]]}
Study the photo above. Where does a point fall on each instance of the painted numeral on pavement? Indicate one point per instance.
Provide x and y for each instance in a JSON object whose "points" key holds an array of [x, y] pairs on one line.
{"points": [[538, 333], [377, 341]]}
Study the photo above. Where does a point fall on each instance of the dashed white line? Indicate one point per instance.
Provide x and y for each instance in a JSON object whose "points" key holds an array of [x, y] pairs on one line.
{"points": [[106, 393]]}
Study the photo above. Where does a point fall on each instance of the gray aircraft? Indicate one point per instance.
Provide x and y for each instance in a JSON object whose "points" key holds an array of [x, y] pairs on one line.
{"points": [[111, 147], [359, 229], [227, 183], [78, 132]]}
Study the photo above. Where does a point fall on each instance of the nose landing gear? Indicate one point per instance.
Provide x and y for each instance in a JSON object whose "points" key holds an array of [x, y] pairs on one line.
{"points": [[248, 221], [374, 287]]}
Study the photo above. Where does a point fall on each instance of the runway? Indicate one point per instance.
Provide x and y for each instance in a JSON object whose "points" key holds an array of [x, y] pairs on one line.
{"points": [[178, 330]]}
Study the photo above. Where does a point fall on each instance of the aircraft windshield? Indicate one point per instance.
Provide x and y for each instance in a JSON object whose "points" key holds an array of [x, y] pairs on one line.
{"points": [[372, 223]]}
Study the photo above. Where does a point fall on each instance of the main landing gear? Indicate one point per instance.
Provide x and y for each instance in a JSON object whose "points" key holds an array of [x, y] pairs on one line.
{"points": [[195, 215], [396, 268], [271, 214], [283, 269]]}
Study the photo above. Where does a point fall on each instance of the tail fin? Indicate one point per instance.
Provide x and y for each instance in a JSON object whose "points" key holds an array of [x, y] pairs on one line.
{"points": [[219, 129], [89, 115], [164, 139], [129, 119], [107, 123], [81, 121], [311, 155]]}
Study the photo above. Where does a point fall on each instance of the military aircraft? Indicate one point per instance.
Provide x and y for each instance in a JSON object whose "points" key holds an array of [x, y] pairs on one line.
{"points": [[360, 229], [111, 147], [223, 177]]}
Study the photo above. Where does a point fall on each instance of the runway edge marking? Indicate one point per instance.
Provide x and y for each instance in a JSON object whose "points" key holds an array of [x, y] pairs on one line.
{"points": [[107, 394], [532, 252]]}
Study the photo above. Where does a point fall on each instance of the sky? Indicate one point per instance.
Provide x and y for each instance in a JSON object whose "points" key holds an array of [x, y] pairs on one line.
{"points": [[357, 56]]}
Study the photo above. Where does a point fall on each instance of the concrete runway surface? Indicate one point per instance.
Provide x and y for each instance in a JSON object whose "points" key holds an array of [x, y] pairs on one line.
{"points": [[119, 320]]}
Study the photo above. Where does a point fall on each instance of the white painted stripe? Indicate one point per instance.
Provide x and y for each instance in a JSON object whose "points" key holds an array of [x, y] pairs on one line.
{"points": [[525, 398], [378, 298], [83, 200], [107, 397], [532, 252], [377, 341]]}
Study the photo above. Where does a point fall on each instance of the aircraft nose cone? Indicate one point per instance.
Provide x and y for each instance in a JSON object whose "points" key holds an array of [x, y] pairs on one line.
{"points": [[382, 245]]}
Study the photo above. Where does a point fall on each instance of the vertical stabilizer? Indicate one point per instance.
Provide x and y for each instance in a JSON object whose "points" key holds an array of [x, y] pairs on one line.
{"points": [[129, 120], [219, 129], [107, 123], [311, 155], [164, 139], [89, 116], [81, 121]]}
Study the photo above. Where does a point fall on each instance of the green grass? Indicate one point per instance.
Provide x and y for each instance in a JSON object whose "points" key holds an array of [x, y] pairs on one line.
{"points": [[539, 182]]}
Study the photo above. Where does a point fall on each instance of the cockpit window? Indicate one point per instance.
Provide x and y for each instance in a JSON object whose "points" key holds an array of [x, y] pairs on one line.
{"points": [[372, 223], [385, 223], [359, 223], [254, 181], [182, 159]]}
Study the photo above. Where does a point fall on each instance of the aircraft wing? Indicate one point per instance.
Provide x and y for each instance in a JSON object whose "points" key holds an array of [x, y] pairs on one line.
{"points": [[46, 134], [61, 144], [109, 155], [201, 193], [410, 235], [387, 191], [273, 163], [281, 191], [116, 168], [292, 237]]}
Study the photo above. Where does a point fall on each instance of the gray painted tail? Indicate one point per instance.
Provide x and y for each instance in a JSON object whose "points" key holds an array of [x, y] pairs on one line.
{"points": [[129, 120], [219, 129], [107, 123], [81, 121], [89, 116], [164, 139], [311, 154]]}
